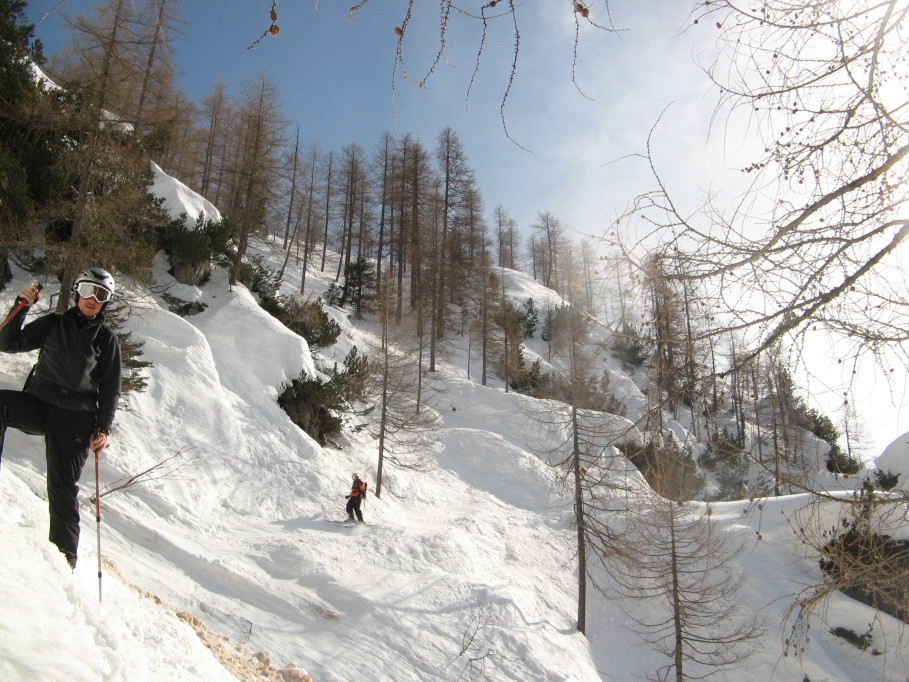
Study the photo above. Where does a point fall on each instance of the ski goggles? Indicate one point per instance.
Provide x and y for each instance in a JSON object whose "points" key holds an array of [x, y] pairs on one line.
{"points": [[91, 290]]}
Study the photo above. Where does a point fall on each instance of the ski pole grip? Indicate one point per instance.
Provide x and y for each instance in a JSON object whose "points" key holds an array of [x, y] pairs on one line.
{"points": [[38, 286], [95, 434]]}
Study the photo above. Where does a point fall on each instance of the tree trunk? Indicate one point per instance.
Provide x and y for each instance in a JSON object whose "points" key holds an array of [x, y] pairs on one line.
{"points": [[293, 192]]}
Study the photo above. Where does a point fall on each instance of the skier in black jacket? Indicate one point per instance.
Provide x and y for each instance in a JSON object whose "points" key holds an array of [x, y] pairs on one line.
{"points": [[71, 394]]}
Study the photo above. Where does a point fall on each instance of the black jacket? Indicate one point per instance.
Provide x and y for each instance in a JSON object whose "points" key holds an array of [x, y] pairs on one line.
{"points": [[78, 366]]}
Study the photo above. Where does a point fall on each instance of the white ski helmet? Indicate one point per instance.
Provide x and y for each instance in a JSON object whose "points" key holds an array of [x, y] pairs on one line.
{"points": [[356, 476], [96, 277]]}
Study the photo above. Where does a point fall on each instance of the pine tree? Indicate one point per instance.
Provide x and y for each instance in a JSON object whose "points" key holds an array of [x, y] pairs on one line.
{"points": [[24, 166]]}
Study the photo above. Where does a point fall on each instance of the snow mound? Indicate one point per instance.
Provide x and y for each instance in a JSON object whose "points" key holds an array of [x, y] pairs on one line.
{"points": [[895, 459], [178, 198]]}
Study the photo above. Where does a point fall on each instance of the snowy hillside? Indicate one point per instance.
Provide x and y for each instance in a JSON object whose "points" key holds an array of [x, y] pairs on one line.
{"points": [[463, 572]]}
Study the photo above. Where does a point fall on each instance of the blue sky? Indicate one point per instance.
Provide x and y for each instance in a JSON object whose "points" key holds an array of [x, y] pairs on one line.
{"points": [[335, 79]]}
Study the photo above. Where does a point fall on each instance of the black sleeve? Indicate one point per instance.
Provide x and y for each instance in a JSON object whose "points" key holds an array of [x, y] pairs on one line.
{"points": [[16, 339], [109, 384]]}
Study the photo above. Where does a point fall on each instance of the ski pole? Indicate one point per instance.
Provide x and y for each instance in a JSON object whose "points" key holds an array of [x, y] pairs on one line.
{"points": [[22, 304], [98, 518]]}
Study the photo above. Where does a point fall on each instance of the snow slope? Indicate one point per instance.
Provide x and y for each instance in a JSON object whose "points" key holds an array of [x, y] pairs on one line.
{"points": [[463, 572]]}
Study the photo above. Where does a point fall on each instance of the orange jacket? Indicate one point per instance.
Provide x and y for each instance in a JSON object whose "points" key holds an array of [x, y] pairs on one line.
{"points": [[358, 489]]}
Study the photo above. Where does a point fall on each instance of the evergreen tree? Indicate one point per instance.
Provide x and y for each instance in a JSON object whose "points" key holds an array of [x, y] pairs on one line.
{"points": [[529, 319], [33, 140], [19, 93], [359, 286]]}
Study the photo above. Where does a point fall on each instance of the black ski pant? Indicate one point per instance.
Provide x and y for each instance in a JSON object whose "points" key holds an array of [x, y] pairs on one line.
{"points": [[66, 443], [353, 505]]}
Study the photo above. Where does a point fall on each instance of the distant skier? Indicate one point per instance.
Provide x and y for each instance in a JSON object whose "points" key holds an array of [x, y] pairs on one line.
{"points": [[71, 394], [356, 497]]}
